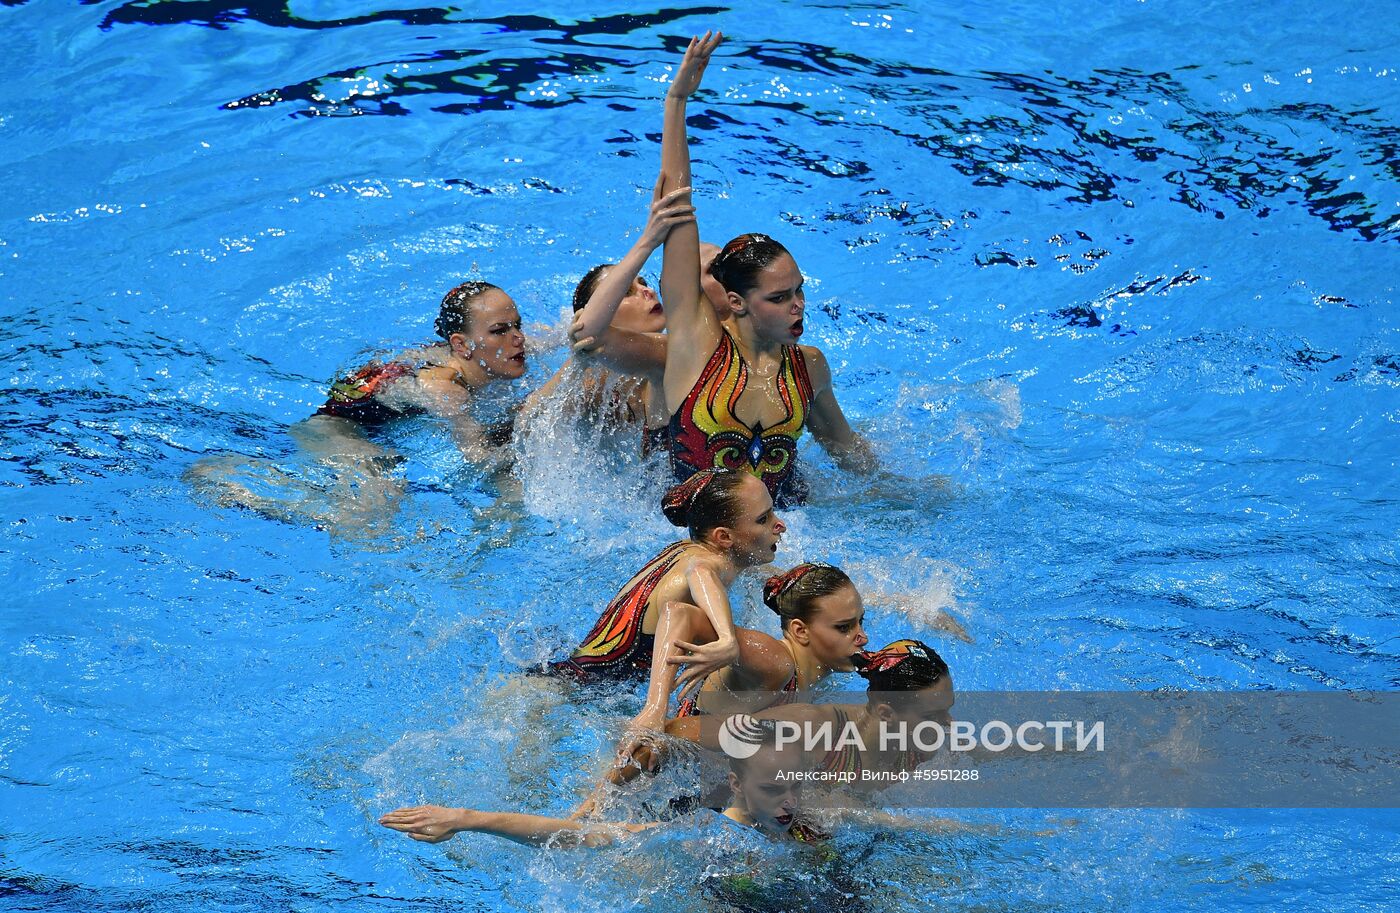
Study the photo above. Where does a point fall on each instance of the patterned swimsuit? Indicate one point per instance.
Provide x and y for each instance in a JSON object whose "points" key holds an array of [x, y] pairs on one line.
{"points": [[356, 396], [705, 432], [848, 759], [616, 647]]}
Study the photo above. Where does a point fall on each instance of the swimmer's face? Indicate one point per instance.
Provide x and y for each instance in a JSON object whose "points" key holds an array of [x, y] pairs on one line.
{"points": [[640, 310], [714, 292], [776, 304], [767, 791], [835, 631], [758, 530], [930, 705], [497, 342]]}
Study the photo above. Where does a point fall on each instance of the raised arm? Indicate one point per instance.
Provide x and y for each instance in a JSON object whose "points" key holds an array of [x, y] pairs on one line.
{"points": [[689, 318], [667, 211], [434, 824]]}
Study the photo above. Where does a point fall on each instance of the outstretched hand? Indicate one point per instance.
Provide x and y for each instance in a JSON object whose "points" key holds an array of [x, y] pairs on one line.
{"points": [[428, 823], [700, 660], [692, 68]]}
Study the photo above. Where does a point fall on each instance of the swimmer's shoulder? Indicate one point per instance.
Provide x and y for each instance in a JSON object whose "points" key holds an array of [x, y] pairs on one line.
{"points": [[818, 370], [438, 384], [694, 555]]}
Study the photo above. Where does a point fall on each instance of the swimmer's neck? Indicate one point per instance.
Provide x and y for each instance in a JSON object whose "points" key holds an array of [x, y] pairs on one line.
{"points": [[868, 725], [728, 569], [750, 343], [470, 374], [809, 669], [740, 815]]}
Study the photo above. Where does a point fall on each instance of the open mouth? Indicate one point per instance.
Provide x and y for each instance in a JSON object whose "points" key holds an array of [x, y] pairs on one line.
{"points": [[796, 329], [656, 308], [518, 359], [784, 820]]}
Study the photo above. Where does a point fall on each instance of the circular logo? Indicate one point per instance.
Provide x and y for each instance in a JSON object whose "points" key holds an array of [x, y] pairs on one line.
{"points": [[741, 736]]}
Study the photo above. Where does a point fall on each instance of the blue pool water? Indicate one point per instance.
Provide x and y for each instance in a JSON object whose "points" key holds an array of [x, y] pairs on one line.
{"points": [[1111, 285]]}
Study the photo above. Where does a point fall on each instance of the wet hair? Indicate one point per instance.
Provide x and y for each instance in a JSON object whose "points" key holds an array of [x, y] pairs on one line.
{"points": [[739, 262], [794, 595], [905, 665], [455, 316], [586, 286], [706, 500]]}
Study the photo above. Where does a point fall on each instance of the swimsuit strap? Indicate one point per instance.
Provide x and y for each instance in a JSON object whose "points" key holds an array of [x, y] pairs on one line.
{"points": [[788, 693]]}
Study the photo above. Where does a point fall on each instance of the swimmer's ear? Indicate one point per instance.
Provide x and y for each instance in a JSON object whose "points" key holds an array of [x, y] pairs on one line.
{"points": [[460, 344]]}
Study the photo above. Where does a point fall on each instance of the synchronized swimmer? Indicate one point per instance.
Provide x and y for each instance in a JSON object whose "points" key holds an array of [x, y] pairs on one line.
{"points": [[732, 526], [712, 373]]}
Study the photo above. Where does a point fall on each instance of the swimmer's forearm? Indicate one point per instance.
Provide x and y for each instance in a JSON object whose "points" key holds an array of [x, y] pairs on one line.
{"points": [[680, 264], [675, 144], [680, 259], [537, 830], [713, 600], [855, 455], [602, 306], [851, 451]]}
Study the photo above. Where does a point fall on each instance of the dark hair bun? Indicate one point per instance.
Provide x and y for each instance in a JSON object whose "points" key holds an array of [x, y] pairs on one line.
{"points": [[905, 665], [771, 588], [676, 503], [455, 314], [775, 587]]}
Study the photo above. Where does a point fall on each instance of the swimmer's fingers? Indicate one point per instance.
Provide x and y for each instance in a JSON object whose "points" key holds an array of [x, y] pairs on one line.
{"points": [[681, 196], [690, 689], [427, 823], [692, 68], [702, 659], [691, 680], [402, 816], [635, 754], [430, 838], [682, 653], [583, 346], [667, 212], [674, 217], [588, 345]]}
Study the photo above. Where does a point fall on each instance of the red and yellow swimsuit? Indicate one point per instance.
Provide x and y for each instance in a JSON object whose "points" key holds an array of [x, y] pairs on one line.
{"points": [[848, 760], [616, 647], [356, 396], [706, 434]]}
